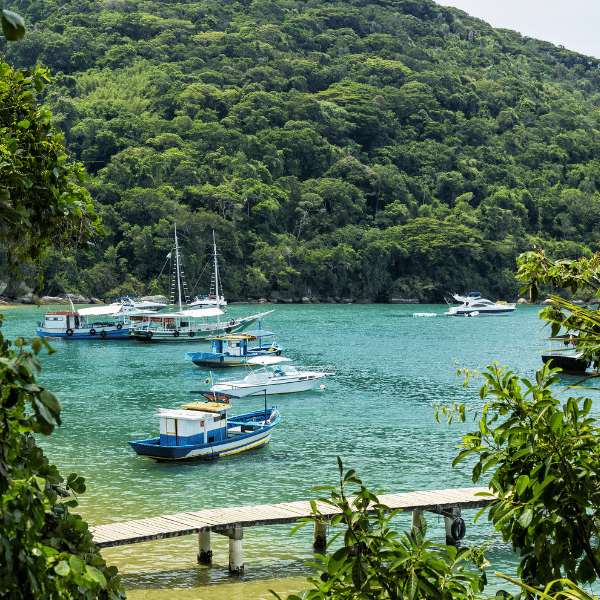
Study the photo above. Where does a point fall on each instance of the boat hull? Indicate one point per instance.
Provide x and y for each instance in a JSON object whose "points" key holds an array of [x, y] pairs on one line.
{"points": [[216, 362], [480, 312], [213, 360], [96, 332], [271, 387], [234, 444], [192, 333], [568, 364]]}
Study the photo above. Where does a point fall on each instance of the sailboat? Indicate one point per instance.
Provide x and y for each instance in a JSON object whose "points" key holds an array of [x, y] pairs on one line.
{"points": [[186, 324], [215, 297]]}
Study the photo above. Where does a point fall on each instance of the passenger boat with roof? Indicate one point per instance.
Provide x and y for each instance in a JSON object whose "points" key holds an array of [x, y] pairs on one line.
{"points": [[472, 304], [186, 324], [233, 349], [204, 431], [273, 378], [105, 322], [192, 325]]}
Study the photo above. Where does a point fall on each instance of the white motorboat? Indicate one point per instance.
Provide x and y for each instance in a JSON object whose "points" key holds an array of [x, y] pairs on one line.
{"points": [[273, 378], [132, 305], [208, 301], [473, 305]]}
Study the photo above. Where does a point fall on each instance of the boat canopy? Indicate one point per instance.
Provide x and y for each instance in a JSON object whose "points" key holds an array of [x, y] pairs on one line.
{"points": [[110, 309], [207, 406], [259, 333], [267, 360], [203, 312], [232, 337], [194, 313]]}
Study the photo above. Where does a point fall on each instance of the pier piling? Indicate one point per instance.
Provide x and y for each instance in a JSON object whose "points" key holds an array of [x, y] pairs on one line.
{"points": [[320, 536], [236, 556], [204, 551]]}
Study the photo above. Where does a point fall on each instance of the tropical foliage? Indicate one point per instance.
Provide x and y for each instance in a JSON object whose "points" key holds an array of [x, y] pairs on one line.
{"points": [[42, 201], [364, 149], [374, 561], [46, 550], [539, 457], [578, 320]]}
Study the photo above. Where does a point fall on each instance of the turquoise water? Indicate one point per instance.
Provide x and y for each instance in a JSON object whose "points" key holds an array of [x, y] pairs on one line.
{"points": [[375, 413]]}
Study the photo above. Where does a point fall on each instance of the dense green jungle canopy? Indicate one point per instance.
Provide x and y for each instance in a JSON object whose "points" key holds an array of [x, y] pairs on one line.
{"points": [[359, 149]]}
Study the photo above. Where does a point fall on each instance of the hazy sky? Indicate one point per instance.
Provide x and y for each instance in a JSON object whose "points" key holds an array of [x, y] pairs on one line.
{"points": [[574, 24]]}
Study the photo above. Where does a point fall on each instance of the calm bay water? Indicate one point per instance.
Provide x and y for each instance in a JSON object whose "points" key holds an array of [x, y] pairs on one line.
{"points": [[375, 414]]}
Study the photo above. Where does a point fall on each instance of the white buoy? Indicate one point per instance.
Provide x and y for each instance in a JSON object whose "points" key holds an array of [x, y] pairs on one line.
{"points": [[322, 387]]}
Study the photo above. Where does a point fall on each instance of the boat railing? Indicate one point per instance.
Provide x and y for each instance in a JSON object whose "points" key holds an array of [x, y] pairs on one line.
{"points": [[326, 369]]}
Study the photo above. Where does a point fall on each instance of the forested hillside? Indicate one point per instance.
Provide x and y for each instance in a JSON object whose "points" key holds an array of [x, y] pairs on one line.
{"points": [[352, 149]]}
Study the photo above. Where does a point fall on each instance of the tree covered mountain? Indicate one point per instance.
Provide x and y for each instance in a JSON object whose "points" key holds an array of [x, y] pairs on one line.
{"points": [[368, 149]]}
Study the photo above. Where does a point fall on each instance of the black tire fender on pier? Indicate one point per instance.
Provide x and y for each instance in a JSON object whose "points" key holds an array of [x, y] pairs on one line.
{"points": [[176, 334], [103, 334], [149, 334], [119, 326], [92, 331], [232, 322], [69, 332], [458, 529], [191, 334]]}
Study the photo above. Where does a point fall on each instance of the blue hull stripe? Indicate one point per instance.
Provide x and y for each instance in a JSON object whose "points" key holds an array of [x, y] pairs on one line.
{"points": [[204, 452], [118, 334]]}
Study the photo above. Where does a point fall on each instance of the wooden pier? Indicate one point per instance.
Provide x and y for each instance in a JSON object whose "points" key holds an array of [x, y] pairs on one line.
{"points": [[231, 521]]}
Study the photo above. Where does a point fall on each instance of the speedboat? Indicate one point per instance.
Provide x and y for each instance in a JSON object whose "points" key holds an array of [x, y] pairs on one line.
{"points": [[473, 304], [273, 378], [232, 349], [204, 431]]}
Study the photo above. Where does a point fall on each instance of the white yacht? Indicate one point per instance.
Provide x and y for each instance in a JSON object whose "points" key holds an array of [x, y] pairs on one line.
{"points": [[473, 305], [272, 378]]}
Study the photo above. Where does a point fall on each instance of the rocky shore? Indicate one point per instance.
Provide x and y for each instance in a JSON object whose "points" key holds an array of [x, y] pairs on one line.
{"points": [[78, 299]]}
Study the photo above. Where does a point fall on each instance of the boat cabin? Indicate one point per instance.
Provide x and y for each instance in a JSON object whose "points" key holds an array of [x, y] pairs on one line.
{"points": [[194, 423], [231, 344], [60, 320]]}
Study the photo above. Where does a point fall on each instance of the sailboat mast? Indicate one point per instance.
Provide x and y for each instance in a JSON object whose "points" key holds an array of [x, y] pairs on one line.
{"points": [[216, 280], [178, 270], [216, 267]]}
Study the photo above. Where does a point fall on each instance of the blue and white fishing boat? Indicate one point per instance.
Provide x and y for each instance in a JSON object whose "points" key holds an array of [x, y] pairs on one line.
{"points": [[203, 431], [233, 349]]}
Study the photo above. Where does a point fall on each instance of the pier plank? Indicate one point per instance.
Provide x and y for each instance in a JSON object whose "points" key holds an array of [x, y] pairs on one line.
{"points": [[220, 519]]}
